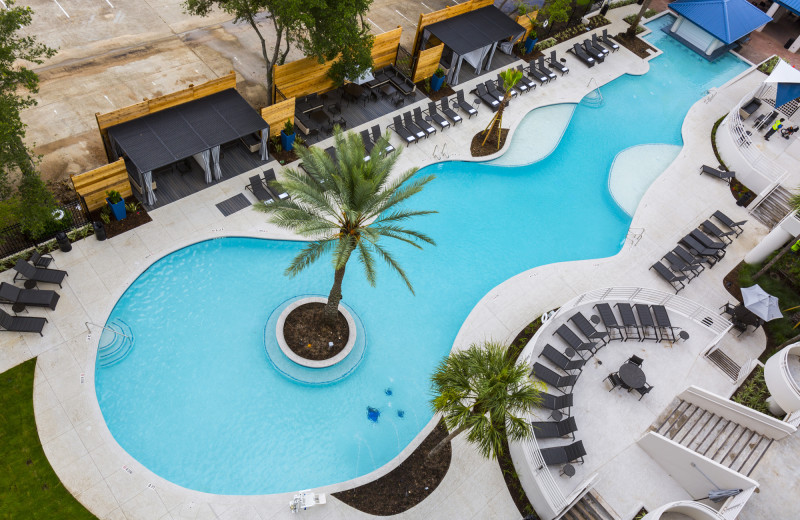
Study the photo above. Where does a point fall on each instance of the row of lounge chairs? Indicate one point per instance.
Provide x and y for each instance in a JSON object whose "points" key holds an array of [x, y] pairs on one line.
{"points": [[653, 322], [38, 272], [413, 126], [595, 50], [266, 189]]}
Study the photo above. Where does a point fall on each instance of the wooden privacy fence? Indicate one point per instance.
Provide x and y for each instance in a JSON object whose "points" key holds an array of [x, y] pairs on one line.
{"points": [[93, 185], [276, 115], [526, 21], [302, 77], [427, 62], [444, 14], [149, 106]]}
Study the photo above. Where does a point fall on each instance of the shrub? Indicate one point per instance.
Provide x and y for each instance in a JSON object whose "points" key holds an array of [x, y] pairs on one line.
{"points": [[650, 13], [621, 3], [545, 44], [114, 197], [768, 66], [754, 393]]}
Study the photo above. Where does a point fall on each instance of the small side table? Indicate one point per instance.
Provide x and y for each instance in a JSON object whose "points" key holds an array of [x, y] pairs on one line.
{"points": [[18, 307], [683, 335], [30, 284], [556, 415], [595, 319], [570, 352], [568, 470]]}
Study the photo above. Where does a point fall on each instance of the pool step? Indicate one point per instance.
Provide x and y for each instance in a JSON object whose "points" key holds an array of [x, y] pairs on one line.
{"points": [[116, 343]]}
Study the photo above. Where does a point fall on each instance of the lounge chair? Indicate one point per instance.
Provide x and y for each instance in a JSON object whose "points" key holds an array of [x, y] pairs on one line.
{"points": [[647, 325], [513, 92], [259, 189], [628, 320], [599, 56], [611, 44], [707, 240], [405, 134], [529, 83], [544, 69], [678, 264], [610, 322], [376, 137], [665, 328], [408, 122], [560, 360], [483, 95], [644, 390], [563, 454], [574, 341], [274, 186], [536, 74], [368, 144], [725, 176], [444, 104], [555, 63], [551, 378], [587, 329], [710, 228], [553, 430], [464, 105], [494, 90], [696, 261], [420, 121], [696, 248], [12, 294], [40, 260], [676, 280], [436, 116], [734, 226], [38, 274], [556, 402], [596, 44], [21, 323], [578, 51]]}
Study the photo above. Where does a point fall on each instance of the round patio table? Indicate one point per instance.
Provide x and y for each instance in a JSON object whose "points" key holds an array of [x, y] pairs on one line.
{"points": [[632, 376]]}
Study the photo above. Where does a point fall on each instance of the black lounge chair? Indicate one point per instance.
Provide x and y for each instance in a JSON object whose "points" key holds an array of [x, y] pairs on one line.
{"points": [[647, 325], [412, 127], [560, 360], [676, 280], [494, 90], [696, 261], [587, 329], [574, 341], [12, 294], [40, 260], [437, 117], [534, 72], [376, 137], [405, 134], [553, 379], [563, 454], [21, 323], [420, 121], [38, 274], [578, 51], [543, 68], [599, 56], [635, 360], [710, 228], [513, 92], [706, 240], [644, 390], [725, 219], [274, 186], [556, 402], [464, 105], [611, 44], [529, 83], [367, 140], [554, 430], [483, 95], [680, 265], [597, 46], [555, 63], [628, 320], [259, 189], [610, 322], [444, 104], [696, 248], [725, 176], [615, 381], [665, 328]]}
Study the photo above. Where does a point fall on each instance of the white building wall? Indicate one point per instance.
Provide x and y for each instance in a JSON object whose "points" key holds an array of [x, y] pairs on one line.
{"points": [[694, 34]]}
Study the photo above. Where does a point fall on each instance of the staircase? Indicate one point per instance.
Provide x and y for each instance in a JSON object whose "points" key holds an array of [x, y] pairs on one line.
{"points": [[590, 507], [713, 436], [593, 99], [773, 208], [116, 343], [726, 364]]}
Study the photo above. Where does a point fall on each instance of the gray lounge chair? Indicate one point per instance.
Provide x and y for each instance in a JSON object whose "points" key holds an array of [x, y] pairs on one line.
{"points": [[21, 323], [529, 83], [437, 117], [40, 260], [611, 44], [464, 105], [610, 322], [259, 189], [444, 104], [553, 430], [535, 73], [38, 274], [376, 137], [560, 360], [665, 328], [12, 294], [405, 134], [494, 90], [419, 120], [587, 329], [574, 341], [696, 248], [696, 261], [555, 63], [553, 379], [628, 320], [274, 186], [563, 454], [676, 280], [580, 53], [647, 325], [556, 402], [596, 44], [544, 69], [599, 56], [412, 127], [726, 220], [710, 228], [367, 141], [483, 95], [725, 176], [706, 240]]}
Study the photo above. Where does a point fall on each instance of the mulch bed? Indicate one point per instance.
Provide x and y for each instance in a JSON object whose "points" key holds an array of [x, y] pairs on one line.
{"points": [[307, 334], [131, 220], [445, 91], [739, 191], [635, 44], [479, 150], [408, 484], [283, 157]]}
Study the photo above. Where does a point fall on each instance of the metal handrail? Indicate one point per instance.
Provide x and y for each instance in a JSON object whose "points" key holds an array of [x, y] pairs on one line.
{"points": [[87, 323], [744, 143]]}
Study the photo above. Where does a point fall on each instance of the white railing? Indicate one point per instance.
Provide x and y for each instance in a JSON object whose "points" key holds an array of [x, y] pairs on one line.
{"points": [[793, 419], [733, 506], [748, 367], [542, 476]]}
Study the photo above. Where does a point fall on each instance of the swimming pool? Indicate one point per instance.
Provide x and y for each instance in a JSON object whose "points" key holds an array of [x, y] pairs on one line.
{"points": [[196, 400]]}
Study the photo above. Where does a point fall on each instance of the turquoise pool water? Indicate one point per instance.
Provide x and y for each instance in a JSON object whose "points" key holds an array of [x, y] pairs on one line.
{"points": [[196, 400]]}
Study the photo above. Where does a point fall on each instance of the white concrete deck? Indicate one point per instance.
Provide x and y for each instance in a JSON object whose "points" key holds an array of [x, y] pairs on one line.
{"points": [[114, 486]]}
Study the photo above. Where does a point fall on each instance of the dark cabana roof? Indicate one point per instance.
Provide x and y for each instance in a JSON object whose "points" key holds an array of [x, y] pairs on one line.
{"points": [[178, 132], [475, 29]]}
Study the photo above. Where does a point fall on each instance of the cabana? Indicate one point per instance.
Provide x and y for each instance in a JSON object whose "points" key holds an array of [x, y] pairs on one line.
{"points": [[193, 129], [472, 37]]}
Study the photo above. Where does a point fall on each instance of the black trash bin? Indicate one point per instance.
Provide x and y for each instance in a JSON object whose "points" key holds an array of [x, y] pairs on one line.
{"points": [[63, 242], [99, 230], [788, 43], [604, 9]]}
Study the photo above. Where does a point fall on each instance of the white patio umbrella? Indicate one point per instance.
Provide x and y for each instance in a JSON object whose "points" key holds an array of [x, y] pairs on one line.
{"points": [[761, 303]]}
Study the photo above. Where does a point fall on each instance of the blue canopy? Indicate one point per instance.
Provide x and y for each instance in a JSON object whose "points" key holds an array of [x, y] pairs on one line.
{"points": [[792, 5], [727, 20], [786, 92]]}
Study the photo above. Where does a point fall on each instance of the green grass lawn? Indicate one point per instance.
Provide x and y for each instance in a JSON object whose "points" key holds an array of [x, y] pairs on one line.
{"points": [[29, 488]]}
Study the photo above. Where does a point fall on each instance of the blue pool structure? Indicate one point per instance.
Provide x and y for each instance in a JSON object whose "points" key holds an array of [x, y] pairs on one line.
{"points": [[192, 394]]}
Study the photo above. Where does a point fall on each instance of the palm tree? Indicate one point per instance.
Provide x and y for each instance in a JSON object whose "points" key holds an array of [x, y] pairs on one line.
{"points": [[482, 390], [631, 32], [346, 206], [510, 78]]}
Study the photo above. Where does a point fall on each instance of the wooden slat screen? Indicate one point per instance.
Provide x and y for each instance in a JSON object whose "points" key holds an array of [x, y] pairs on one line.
{"points": [[444, 14], [428, 62], [277, 114], [93, 185], [526, 20], [384, 48]]}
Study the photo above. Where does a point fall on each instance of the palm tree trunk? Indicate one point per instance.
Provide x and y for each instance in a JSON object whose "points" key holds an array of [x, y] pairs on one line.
{"points": [[777, 257], [497, 120], [444, 441], [631, 32], [787, 343], [335, 296]]}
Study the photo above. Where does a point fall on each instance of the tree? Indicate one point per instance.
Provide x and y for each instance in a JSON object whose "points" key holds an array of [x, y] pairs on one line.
{"points": [[631, 32], [17, 82], [510, 78], [324, 29], [555, 11], [346, 206], [483, 391]]}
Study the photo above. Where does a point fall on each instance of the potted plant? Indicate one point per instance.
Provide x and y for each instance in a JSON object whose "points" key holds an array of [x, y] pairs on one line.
{"points": [[116, 203], [287, 136], [437, 80], [530, 42]]}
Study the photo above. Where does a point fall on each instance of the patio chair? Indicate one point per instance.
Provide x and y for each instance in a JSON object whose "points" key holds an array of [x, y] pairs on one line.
{"points": [[483, 95], [556, 402], [710, 228], [693, 260], [610, 322], [665, 328], [644, 390], [274, 186], [259, 190], [647, 325], [728, 309], [544, 69], [724, 176], [513, 92], [578, 51], [563, 454], [635, 360], [553, 430], [628, 320], [38, 274], [587, 329], [436, 116], [368, 144], [696, 248], [596, 44], [675, 280], [726, 220], [419, 120], [553, 379], [555, 63], [529, 83], [40, 260], [615, 380], [444, 104], [560, 360], [706, 240], [678, 264], [12, 294], [464, 105], [412, 127], [589, 49], [536, 74], [494, 90], [376, 136], [611, 44], [405, 134], [21, 323], [574, 341]]}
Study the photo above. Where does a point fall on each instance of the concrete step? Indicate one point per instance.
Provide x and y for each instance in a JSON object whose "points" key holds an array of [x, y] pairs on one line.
{"points": [[591, 507], [725, 363]]}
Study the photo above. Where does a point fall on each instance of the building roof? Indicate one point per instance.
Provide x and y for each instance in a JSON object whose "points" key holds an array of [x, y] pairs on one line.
{"points": [[474, 30], [792, 5], [727, 20]]}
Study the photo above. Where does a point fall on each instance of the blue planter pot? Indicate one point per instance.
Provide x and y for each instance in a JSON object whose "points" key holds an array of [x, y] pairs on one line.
{"points": [[287, 141], [436, 83], [529, 43], [117, 209]]}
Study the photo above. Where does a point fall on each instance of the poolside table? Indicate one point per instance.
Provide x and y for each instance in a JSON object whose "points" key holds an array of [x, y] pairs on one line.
{"points": [[632, 375]]}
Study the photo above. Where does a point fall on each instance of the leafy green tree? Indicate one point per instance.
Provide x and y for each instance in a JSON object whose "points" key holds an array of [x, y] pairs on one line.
{"points": [[324, 29], [35, 211], [510, 79], [346, 206], [554, 12], [482, 390]]}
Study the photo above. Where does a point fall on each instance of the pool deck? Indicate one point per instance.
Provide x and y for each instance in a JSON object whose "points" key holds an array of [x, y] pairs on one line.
{"points": [[113, 485]]}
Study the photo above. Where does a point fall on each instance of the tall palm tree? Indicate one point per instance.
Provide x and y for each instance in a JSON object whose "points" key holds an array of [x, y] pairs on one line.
{"points": [[483, 391], [346, 206], [631, 32], [510, 78]]}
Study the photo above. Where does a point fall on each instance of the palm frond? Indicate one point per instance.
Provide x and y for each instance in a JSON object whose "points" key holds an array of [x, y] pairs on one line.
{"points": [[308, 255], [368, 262], [389, 259]]}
